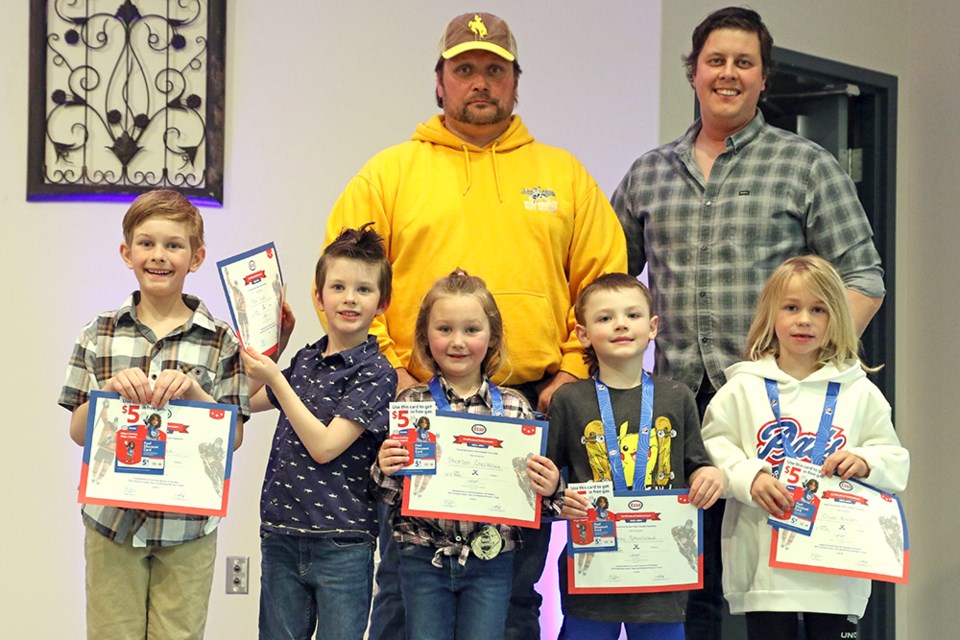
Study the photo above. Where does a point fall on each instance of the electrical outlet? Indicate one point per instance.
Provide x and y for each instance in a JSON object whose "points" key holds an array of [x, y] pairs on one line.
{"points": [[238, 574]]}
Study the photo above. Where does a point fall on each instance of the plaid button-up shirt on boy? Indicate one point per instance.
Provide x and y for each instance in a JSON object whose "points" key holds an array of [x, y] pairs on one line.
{"points": [[204, 348]]}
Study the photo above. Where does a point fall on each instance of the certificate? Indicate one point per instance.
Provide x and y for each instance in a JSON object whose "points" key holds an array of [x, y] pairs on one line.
{"points": [[658, 546], [254, 287], [481, 471], [860, 532], [173, 459]]}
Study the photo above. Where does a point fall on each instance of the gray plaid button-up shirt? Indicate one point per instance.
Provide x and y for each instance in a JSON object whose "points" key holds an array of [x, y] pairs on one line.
{"points": [[710, 245]]}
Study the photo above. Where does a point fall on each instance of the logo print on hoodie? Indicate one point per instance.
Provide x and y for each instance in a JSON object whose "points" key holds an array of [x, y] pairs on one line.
{"points": [[538, 199], [770, 449]]}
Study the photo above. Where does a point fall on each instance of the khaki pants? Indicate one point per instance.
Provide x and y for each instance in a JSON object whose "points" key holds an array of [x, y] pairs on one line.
{"points": [[157, 593]]}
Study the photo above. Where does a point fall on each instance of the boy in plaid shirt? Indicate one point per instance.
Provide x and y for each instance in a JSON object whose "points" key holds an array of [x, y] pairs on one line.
{"points": [[149, 573]]}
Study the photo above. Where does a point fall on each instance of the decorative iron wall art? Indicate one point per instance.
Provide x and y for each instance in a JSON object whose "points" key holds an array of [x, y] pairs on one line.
{"points": [[126, 96]]}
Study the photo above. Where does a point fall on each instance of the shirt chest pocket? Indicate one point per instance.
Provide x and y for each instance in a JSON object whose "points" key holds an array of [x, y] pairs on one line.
{"points": [[202, 375]]}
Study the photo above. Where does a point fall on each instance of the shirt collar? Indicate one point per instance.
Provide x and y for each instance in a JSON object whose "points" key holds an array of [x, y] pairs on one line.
{"points": [[483, 393], [350, 356], [201, 316], [735, 143], [745, 136]]}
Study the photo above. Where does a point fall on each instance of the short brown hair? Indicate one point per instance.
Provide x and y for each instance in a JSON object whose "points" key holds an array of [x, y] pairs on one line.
{"points": [[736, 18], [460, 283], [164, 203], [364, 245], [606, 282]]}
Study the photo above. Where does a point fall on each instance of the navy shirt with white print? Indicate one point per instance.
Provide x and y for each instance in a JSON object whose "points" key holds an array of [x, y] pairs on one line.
{"points": [[303, 497]]}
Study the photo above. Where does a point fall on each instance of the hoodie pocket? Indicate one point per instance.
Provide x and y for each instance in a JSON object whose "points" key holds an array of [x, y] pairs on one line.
{"points": [[531, 333]]}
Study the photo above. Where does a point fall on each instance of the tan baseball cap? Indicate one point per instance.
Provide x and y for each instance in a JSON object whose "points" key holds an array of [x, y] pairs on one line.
{"points": [[478, 31]]}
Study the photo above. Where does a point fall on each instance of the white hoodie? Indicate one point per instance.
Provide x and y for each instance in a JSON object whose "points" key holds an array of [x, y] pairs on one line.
{"points": [[740, 434]]}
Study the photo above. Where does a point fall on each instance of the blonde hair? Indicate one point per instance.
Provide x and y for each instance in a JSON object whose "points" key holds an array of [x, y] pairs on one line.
{"points": [[841, 341], [460, 283], [164, 203]]}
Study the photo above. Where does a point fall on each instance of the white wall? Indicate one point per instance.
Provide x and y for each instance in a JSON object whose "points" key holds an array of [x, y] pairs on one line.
{"points": [[314, 88]]}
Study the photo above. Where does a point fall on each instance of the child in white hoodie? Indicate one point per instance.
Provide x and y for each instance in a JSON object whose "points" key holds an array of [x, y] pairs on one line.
{"points": [[801, 349]]}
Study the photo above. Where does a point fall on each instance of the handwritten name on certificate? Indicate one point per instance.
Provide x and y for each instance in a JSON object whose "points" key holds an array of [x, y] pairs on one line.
{"points": [[658, 547], [253, 285], [481, 471], [860, 532], [176, 459]]}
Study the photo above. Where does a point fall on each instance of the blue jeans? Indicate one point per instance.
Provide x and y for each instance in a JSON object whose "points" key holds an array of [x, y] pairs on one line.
{"points": [[302, 576], [580, 629], [523, 619], [386, 619], [454, 602]]}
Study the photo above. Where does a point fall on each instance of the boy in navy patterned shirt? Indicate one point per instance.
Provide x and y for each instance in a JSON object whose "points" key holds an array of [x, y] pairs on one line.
{"points": [[318, 519]]}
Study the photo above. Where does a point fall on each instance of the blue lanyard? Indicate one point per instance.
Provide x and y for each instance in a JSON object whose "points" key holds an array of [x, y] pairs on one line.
{"points": [[610, 436], [823, 431], [440, 398]]}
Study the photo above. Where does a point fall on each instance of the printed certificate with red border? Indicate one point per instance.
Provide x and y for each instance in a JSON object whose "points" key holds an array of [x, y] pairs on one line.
{"points": [[659, 547], [253, 285], [860, 532], [481, 471], [175, 459]]}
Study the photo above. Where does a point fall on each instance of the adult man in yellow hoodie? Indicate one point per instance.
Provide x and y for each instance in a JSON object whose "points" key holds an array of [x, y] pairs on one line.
{"points": [[472, 189]]}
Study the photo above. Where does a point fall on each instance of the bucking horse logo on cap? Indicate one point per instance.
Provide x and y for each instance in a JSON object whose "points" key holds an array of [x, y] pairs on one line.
{"points": [[476, 25]]}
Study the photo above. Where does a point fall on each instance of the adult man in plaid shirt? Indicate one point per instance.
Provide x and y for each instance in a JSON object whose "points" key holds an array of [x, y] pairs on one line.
{"points": [[712, 213]]}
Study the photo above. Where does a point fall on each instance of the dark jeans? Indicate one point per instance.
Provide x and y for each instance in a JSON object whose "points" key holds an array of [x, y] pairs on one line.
{"points": [[387, 619], [523, 617], [304, 580], [705, 606], [466, 602], [578, 628], [777, 625]]}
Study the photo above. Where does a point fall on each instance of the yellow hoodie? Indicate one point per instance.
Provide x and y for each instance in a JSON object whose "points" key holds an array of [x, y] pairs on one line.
{"points": [[524, 216]]}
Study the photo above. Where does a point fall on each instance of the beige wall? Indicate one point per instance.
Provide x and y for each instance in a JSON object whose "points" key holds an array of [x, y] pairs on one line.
{"points": [[314, 89]]}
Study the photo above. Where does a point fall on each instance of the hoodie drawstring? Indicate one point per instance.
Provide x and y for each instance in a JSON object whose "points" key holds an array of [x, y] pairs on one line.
{"points": [[496, 169], [466, 162]]}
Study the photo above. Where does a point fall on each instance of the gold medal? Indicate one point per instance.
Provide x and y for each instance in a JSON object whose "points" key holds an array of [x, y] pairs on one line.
{"points": [[487, 543]]}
